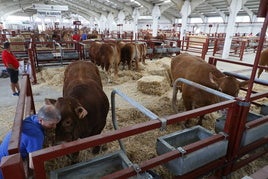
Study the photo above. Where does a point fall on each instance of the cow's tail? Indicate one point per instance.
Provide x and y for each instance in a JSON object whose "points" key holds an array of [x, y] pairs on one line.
{"points": [[174, 100]]}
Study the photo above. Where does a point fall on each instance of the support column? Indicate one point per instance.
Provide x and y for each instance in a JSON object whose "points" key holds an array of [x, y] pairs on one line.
{"points": [[185, 12], [135, 15], [121, 18], [235, 6], [110, 21], [204, 28], [156, 15], [102, 22]]}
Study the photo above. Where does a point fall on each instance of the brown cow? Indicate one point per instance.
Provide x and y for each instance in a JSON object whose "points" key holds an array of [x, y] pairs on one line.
{"points": [[142, 47], [107, 57], [197, 70], [130, 54], [93, 50], [84, 105], [263, 61]]}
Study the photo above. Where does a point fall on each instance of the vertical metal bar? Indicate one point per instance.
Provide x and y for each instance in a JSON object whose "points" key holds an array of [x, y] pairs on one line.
{"points": [[257, 57]]}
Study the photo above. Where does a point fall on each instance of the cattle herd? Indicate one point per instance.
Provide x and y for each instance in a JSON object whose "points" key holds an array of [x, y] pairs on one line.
{"points": [[85, 106], [109, 55]]}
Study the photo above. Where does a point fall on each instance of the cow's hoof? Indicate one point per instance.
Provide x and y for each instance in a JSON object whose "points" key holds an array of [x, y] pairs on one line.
{"points": [[96, 150], [187, 124], [104, 147]]}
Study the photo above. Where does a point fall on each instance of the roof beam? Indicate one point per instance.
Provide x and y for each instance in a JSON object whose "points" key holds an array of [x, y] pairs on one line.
{"points": [[81, 12], [249, 12], [11, 10], [165, 7], [125, 7], [217, 10], [147, 5], [195, 3], [78, 6], [169, 17], [178, 3], [201, 16], [109, 9]]}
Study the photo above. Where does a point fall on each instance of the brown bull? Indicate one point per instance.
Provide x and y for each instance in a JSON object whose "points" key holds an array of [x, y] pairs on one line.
{"points": [[130, 53], [84, 105], [93, 51], [197, 70], [108, 57], [263, 61]]}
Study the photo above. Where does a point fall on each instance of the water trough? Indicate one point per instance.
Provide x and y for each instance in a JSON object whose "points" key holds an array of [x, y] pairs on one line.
{"points": [[95, 168], [190, 161], [251, 133]]}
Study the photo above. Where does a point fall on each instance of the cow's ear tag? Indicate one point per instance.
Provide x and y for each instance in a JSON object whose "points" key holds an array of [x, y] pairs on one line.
{"points": [[81, 112]]}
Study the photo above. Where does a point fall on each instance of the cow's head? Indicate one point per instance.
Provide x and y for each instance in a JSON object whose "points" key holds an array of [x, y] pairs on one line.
{"points": [[71, 112], [227, 84]]}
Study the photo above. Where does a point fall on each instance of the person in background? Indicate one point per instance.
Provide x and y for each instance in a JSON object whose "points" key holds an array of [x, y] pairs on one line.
{"points": [[76, 36], [12, 65], [84, 35], [33, 132]]}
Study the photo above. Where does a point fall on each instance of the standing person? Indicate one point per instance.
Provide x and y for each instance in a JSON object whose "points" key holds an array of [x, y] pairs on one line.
{"points": [[32, 132], [76, 36], [84, 35], [12, 65]]}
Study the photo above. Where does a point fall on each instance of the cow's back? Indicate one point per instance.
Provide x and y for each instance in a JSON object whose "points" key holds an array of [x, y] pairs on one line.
{"points": [[109, 56], [193, 68], [197, 70], [93, 51], [80, 72]]}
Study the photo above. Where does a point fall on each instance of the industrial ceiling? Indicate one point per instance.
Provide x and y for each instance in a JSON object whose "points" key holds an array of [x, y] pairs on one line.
{"points": [[170, 9]]}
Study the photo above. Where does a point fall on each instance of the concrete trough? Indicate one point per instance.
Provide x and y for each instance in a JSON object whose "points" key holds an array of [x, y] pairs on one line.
{"points": [[220, 122], [253, 134], [250, 134], [264, 109], [149, 51], [95, 168], [190, 161], [45, 56], [160, 50], [99, 167], [173, 50], [70, 55]]}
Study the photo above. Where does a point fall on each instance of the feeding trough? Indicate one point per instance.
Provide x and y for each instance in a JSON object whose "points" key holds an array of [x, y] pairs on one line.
{"points": [[149, 51], [95, 168], [190, 161], [174, 50], [99, 167], [252, 134], [264, 109], [220, 122], [160, 50]]}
